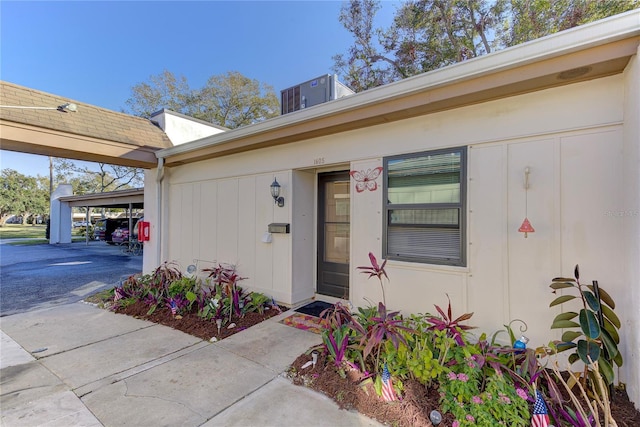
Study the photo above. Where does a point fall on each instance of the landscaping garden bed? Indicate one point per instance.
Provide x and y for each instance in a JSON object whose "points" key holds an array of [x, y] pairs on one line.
{"points": [[417, 400], [412, 411], [399, 369], [192, 324]]}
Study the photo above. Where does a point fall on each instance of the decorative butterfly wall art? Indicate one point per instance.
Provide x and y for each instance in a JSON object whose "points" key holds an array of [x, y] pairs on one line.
{"points": [[366, 180]]}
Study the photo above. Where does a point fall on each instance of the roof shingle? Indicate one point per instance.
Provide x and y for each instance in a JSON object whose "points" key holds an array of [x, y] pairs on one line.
{"points": [[88, 120]]}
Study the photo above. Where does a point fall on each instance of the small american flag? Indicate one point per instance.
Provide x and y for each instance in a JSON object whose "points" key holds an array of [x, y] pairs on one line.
{"points": [[388, 393], [174, 307], [275, 305], [540, 417]]}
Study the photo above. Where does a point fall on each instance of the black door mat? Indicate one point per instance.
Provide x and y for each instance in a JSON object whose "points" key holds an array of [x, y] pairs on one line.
{"points": [[314, 308]]}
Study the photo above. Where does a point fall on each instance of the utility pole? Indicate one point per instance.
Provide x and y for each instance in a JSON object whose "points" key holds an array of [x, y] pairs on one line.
{"points": [[50, 177]]}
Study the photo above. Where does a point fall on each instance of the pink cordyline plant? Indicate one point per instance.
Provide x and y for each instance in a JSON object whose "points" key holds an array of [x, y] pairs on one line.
{"points": [[449, 324], [376, 270]]}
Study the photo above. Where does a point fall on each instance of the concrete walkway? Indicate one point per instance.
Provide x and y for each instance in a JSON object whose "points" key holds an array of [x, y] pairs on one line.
{"points": [[77, 365]]}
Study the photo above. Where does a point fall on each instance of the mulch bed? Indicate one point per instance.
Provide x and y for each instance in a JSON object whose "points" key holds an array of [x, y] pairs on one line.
{"points": [[413, 410], [191, 324], [623, 411], [417, 401]]}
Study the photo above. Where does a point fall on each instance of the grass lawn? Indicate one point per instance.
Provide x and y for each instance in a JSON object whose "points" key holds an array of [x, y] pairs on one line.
{"points": [[38, 231], [17, 231]]}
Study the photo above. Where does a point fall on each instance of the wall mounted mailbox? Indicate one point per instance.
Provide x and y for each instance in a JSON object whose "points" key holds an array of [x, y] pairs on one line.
{"points": [[278, 227]]}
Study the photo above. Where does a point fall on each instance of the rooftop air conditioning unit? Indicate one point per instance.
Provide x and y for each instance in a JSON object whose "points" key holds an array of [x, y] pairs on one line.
{"points": [[313, 92]]}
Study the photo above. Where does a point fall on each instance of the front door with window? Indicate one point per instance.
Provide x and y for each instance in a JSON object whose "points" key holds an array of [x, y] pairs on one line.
{"points": [[333, 234]]}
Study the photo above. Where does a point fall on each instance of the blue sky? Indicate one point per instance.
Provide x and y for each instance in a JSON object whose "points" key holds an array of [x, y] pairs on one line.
{"points": [[94, 51]]}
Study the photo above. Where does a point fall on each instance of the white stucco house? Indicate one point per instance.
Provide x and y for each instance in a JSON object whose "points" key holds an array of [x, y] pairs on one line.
{"points": [[429, 173]]}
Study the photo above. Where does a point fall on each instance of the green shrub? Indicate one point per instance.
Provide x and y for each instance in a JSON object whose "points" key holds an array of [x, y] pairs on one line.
{"points": [[595, 338]]}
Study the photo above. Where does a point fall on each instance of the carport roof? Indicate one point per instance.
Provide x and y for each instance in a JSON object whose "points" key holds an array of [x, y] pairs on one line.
{"points": [[112, 199], [91, 133]]}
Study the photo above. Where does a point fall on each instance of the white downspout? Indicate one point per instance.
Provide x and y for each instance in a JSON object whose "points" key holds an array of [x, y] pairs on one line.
{"points": [[159, 178]]}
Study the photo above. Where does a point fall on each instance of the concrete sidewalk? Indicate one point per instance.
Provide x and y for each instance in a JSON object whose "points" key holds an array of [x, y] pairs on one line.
{"points": [[77, 365]]}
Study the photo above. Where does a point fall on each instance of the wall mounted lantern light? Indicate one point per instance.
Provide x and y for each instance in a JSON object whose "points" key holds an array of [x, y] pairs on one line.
{"points": [[275, 193], [526, 226]]}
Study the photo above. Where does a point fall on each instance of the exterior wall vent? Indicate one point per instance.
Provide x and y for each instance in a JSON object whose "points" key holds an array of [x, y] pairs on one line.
{"points": [[312, 92]]}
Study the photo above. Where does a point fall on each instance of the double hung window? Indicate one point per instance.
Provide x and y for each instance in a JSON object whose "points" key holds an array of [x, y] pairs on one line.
{"points": [[425, 207]]}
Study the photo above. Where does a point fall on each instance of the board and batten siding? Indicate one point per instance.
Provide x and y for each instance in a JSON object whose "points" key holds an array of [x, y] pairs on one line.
{"points": [[572, 139], [575, 189], [223, 221]]}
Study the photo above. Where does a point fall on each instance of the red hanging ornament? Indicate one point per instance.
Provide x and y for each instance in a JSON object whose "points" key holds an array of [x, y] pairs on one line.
{"points": [[526, 227]]}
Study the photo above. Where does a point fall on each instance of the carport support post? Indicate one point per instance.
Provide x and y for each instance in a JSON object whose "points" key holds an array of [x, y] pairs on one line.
{"points": [[130, 222], [86, 228], [60, 225]]}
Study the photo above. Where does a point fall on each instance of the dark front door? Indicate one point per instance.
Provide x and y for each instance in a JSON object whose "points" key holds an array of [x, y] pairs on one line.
{"points": [[333, 234]]}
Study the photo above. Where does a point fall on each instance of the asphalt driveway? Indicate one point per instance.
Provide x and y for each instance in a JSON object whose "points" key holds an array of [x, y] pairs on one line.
{"points": [[38, 276]]}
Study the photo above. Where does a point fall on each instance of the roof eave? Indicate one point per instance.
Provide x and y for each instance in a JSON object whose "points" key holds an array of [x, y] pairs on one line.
{"points": [[48, 142], [604, 47]]}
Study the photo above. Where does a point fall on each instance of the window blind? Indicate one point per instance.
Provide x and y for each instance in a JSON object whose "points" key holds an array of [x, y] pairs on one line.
{"points": [[425, 205]]}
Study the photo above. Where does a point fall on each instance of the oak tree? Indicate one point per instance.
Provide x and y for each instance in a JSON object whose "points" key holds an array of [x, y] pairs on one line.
{"points": [[99, 178], [430, 34], [230, 100], [22, 195]]}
